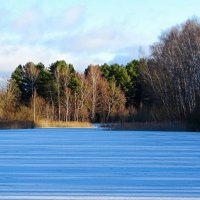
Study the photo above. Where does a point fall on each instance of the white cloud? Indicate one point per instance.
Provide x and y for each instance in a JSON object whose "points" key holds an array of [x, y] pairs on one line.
{"points": [[13, 55], [38, 35], [27, 19], [22, 54], [96, 39], [73, 15]]}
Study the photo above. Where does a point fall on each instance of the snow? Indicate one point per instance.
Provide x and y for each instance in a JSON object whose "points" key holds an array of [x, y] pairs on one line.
{"points": [[99, 164]]}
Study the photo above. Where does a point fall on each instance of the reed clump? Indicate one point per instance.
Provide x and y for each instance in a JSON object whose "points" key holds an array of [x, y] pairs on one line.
{"points": [[62, 124]]}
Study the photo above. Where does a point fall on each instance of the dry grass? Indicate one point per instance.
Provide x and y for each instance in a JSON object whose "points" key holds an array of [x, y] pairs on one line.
{"points": [[57, 124], [23, 124], [151, 126], [16, 124]]}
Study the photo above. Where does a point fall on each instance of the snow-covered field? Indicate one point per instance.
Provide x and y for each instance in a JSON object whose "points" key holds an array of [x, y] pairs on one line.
{"points": [[99, 164]]}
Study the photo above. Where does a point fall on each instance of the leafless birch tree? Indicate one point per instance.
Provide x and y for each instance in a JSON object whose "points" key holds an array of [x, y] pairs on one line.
{"points": [[173, 70]]}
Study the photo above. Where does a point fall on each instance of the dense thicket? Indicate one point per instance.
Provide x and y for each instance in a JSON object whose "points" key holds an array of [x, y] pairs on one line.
{"points": [[165, 86]]}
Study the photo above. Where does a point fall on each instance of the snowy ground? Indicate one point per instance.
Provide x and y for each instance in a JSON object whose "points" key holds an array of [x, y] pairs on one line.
{"points": [[96, 164]]}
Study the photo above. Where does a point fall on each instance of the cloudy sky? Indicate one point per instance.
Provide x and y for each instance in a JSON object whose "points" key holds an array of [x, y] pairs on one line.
{"points": [[84, 32]]}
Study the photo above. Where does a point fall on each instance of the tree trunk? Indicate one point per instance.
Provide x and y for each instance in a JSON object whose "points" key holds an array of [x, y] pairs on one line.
{"points": [[34, 105]]}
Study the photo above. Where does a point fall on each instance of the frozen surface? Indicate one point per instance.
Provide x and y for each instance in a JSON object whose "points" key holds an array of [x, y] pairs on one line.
{"points": [[99, 164]]}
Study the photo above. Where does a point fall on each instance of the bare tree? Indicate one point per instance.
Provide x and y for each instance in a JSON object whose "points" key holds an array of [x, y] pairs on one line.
{"points": [[173, 70], [57, 74], [81, 112], [32, 73], [116, 101], [66, 78], [93, 75], [8, 100]]}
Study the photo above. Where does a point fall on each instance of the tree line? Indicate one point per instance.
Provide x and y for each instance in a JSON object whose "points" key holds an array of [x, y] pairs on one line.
{"points": [[100, 94], [163, 86]]}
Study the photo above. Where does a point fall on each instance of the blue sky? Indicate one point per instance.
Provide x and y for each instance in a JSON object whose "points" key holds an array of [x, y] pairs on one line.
{"points": [[84, 32]]}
